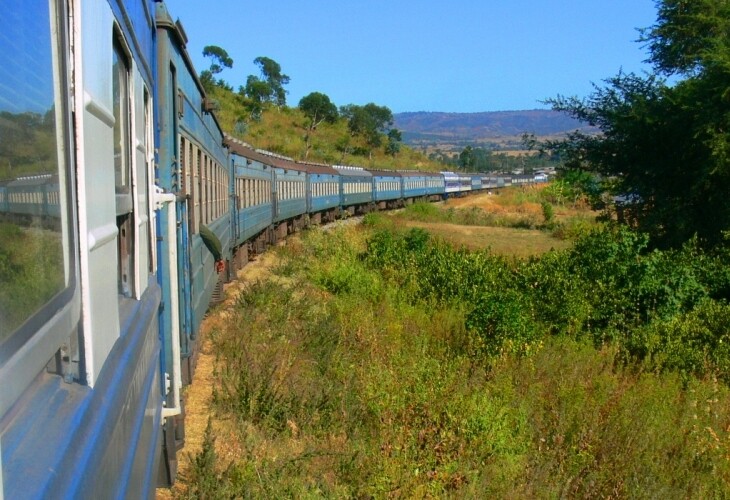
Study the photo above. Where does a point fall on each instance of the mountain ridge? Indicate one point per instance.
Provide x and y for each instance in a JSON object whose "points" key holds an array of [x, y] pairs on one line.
{"points": [[435, 127]]}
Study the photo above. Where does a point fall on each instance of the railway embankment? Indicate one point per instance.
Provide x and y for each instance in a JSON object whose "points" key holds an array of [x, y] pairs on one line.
{"points": [[374, 360]]}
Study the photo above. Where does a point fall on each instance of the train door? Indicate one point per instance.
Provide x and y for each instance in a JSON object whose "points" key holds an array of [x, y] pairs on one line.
{"points": [[275, 193], [186, 218]]}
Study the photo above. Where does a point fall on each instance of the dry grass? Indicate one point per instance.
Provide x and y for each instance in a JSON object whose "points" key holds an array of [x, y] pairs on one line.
{"points": [[513, 212], [501, 240], [198, 395]]}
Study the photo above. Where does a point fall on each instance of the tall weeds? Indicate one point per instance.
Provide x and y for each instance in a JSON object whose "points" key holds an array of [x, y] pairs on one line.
{"points": [[365, 371]]}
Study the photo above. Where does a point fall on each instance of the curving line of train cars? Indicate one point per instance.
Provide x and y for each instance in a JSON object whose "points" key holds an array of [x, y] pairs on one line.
{"points": [[105, 268]]}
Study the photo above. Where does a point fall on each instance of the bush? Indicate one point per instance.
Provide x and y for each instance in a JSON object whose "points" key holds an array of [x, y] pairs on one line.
{"points": [[504, 320]]}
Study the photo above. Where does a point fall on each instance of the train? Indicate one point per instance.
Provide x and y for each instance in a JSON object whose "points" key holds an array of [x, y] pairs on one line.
{"points": [[123, 210]]}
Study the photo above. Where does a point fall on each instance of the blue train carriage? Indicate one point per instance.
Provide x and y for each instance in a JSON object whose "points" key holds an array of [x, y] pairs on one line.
{"points": [[193, 166], [32, 197], [476, 182], [252, 194], [81, 392], [464, 183], [415, 185], [387, 188], [435, 185], [452, 184], [540, 177], [323, 192], [492, 181], [356, 188], [4, 202], [522, 180], [290, 195]]}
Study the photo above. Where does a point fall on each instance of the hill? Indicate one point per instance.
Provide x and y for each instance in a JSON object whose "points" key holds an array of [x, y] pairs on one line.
{"points": [[499, 130], [430, 138], [282, 130]]}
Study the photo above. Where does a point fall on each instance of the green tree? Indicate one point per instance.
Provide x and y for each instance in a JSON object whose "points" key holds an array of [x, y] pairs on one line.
{"points": [[666, 146], [369, 122], [219, 60], [272, 75], [317, 108], [258, 92], [689, 37], [467, 158], [395, 138]]}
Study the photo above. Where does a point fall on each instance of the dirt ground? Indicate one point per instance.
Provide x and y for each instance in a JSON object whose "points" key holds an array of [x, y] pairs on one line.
{"points": [[198, 395]]}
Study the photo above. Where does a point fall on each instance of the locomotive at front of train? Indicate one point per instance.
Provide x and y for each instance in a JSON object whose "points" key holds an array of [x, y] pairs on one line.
{"points": [[193, 166], [80, 398]]}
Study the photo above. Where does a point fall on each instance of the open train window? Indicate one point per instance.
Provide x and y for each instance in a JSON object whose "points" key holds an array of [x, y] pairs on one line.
{"points": [[122, 168]]}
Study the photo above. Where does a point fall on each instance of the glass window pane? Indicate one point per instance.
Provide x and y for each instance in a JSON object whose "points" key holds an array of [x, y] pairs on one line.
{"points": [[33, 262]]}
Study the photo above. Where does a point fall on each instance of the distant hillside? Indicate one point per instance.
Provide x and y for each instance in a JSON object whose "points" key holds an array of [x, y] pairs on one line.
{"points": [[497, 129]]}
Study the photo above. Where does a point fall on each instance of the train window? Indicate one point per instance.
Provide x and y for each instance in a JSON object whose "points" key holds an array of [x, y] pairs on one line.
{"points": [[122, 168], [35, 244], [206, 189], [213, 193], [199, 198]]}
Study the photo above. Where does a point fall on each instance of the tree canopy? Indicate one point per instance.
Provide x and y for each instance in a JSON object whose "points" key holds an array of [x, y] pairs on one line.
{"points": [[219, 60], [317, 108], [369, 122], [665, 147], [268, 88], [272, 75]]}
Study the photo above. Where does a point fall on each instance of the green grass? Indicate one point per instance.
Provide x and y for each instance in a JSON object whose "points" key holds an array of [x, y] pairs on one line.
{"points": [[31, 272], [338, 378]]}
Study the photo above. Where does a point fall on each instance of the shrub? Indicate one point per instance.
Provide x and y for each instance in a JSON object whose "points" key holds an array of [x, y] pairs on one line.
{"points": [[504, 320]]}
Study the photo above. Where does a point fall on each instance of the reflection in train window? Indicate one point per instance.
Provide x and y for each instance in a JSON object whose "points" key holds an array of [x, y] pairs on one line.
{"points": [[34, 265]]}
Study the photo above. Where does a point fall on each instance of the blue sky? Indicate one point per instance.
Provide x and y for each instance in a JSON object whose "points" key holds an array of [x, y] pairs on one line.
{"points": [[427, 55]]}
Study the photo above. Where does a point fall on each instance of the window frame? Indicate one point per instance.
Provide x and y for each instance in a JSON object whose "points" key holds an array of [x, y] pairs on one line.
{"points": [[46, 332]]}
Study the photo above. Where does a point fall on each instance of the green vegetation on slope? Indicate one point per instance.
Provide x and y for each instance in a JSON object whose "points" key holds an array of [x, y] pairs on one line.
{"points": [[379, 364], [284, 130]]}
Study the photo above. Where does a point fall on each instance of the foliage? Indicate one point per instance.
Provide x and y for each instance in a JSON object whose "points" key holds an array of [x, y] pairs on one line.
{"points": [[480, 159], [579, 183], [689, 37], [270, 87], [280, 131], [454, 388], [219, 60], [394, 142], [369, 122], [317, 108], [666, 146], [28, 145], [31, 272], [608, 286]]}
